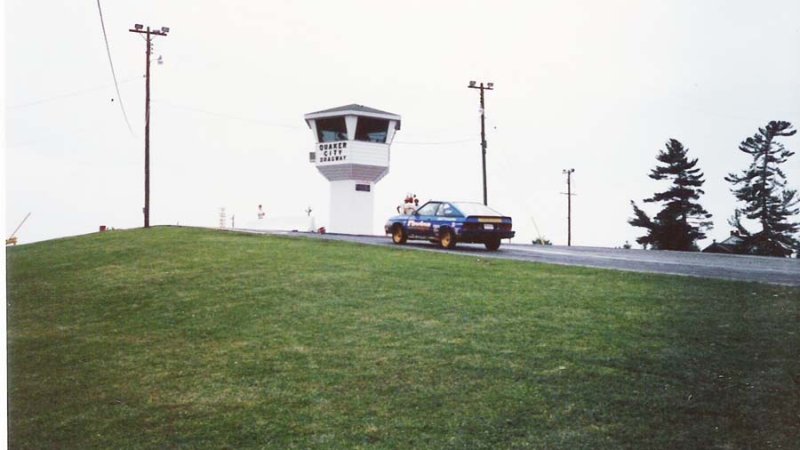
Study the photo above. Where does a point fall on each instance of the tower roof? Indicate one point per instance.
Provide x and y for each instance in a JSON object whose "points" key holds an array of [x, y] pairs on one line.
{"points": [[353, 110]]}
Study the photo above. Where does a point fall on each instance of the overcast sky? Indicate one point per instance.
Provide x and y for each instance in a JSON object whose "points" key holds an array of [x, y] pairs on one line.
{"points": [[598, 86]]}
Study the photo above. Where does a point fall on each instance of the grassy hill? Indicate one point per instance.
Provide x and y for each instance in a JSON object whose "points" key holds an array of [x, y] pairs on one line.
{"points": [[188, 338]]}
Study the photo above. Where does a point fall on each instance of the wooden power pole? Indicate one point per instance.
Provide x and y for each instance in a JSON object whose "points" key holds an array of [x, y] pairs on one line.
{"points": [[569, 195], [148, 37], [489, 86]]}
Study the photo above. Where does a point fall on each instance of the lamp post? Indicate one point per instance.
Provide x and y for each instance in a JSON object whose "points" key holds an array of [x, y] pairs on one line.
{"points": [[488, 86], [138, 28]]}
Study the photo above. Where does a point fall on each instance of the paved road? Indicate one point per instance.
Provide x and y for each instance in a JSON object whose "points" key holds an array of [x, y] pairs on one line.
{"points": [[707, 265]]}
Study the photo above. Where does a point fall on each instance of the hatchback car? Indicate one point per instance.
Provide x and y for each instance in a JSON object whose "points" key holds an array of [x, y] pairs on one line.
{"points": [[447, 223]]}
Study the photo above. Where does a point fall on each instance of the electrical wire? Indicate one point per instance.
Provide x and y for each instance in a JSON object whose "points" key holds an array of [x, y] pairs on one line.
{"points": [[113, 72], [283, 125], [67, 95], [227, 116], [462, 141]]}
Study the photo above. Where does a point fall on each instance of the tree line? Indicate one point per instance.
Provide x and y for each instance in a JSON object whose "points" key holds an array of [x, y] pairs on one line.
{"points": [[761, 190]]}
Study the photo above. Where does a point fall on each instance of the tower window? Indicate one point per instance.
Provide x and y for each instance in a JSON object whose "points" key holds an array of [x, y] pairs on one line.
{"points": [[332, 129], [372, 130]]}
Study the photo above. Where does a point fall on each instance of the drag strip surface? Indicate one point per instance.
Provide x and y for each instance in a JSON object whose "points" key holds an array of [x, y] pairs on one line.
{"points": [[760, 269]]}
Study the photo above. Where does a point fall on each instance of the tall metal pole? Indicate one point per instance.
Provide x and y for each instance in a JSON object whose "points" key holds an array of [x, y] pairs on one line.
{"points": [[148, 38], [489, 86], [569, 172]]}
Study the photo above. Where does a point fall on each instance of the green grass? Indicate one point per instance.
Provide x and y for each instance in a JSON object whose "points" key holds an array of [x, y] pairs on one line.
{"points": [[187, 338]]}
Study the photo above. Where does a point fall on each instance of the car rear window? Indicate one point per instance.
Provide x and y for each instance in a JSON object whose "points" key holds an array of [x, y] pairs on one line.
{"points": [[475, 209]]}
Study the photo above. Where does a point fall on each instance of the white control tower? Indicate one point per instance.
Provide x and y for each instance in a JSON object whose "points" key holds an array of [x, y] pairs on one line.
{"points": [[352, 152]]}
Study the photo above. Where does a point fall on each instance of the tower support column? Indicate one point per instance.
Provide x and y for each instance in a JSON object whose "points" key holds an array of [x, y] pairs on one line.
{"points": [[351, 207]]}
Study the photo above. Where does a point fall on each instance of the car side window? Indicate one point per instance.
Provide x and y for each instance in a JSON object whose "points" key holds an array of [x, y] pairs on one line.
{"points": [[446, 210], [428, 209]]}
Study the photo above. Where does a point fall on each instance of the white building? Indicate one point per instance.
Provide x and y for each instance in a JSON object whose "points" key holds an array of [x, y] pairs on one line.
{"points": [[352, 151]]}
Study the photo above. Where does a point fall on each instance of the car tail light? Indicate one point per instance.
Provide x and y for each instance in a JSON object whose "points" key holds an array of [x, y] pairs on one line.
{"points": [[505, 227]]}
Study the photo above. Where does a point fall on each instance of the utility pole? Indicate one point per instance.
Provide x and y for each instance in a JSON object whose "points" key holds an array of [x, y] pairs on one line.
{"points": [[569, 195], [489, 86], [138, 28]]}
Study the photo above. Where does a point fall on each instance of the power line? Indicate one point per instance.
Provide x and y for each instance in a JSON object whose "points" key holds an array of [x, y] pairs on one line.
{"points": [[283, 125], [463, 141], [113, 73], [227, 116], [66, 95]]}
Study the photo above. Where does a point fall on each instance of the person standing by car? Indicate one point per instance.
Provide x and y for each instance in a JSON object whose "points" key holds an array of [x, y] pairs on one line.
{"points": [[409, 205]]}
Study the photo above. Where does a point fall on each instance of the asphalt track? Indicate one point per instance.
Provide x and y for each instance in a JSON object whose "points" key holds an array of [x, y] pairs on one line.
{"points": [[782, 271]]}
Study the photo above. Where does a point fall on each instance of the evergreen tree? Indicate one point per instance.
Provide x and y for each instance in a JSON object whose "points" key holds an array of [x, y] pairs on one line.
{"points": [[682, 221], [762, 187]]}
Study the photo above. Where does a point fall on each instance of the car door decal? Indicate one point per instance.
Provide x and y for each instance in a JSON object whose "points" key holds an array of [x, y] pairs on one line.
{"points": [[419, 227]]}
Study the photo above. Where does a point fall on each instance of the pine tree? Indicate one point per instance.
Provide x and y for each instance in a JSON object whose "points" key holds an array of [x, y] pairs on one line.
{"points": [[682, 221], [762, 187]]}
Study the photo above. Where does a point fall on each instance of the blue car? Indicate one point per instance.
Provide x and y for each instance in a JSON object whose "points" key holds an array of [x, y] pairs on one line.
{"points": [[450, 222]]}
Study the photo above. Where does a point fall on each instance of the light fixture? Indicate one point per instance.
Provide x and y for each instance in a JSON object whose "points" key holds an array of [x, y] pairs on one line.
{"points": [[490, 85], [471, 84], [165, 29], [138, 26]]}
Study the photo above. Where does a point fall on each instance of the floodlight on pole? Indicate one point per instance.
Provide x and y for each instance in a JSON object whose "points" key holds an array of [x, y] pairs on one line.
{"points": [[489, 86]]}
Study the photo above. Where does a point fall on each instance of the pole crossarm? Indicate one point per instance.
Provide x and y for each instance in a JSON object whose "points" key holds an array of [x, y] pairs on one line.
{"points": [[148, 31]]}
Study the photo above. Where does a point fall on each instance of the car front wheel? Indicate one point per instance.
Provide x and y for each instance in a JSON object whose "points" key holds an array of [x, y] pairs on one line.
{"points": [[399, 235]]}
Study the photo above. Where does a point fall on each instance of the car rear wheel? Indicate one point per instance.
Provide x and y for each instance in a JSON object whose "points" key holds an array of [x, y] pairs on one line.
{"points": [[399, 235], [492, 244], [447, 239]]}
